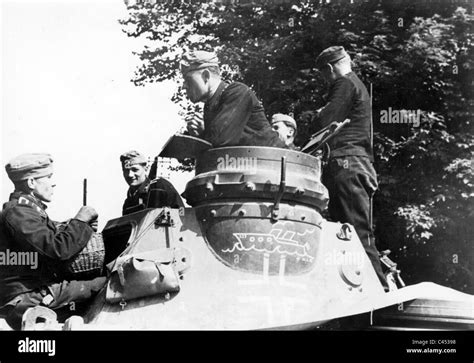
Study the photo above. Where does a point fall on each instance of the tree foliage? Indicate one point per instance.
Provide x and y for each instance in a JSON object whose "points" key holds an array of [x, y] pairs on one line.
{"points": [[416, 56]]}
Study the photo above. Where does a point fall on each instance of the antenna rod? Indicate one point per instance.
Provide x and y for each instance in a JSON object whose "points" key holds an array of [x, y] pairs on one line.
{"points": [[371, 118], [84, 192], [371, 201]]}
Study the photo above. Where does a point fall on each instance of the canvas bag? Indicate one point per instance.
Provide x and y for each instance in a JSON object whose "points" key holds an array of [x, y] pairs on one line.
{"points": [[141, 275]]}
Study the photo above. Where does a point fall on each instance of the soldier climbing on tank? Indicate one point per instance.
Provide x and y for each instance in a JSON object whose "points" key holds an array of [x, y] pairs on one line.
{"points": [[349, 174], [43, 245], [233, 116], [135, 172]]}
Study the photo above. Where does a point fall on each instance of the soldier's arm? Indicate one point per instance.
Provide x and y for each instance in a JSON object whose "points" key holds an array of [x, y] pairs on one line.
{"points": [[235, 111], [339, 102], [29, 228]]}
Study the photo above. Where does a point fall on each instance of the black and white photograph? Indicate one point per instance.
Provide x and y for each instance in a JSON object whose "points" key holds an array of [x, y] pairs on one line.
{"points": [[237, 165]]}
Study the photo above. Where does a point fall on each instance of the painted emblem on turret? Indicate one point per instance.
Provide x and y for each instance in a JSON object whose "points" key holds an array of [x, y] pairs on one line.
{"points": [[287, 248], [276, 241]]}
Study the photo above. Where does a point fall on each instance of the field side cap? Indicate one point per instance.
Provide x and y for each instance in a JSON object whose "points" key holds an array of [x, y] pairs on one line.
{"points": [[330, 55], [132, 157], [197, 59], [280, 117], [34, 165]]}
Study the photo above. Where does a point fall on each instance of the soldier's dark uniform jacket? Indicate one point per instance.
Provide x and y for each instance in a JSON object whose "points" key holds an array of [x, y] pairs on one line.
{"points": [[25, 227], [348, 98], [235, 117], [163, 194], [136, 198]]}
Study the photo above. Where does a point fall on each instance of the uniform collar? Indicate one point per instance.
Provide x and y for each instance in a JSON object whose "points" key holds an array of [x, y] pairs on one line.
{"points": [[28, 199], [214, 100], [140, 189]]}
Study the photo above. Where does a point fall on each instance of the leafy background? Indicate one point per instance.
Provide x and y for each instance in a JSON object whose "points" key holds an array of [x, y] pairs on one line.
{"points": [[415, 54]]}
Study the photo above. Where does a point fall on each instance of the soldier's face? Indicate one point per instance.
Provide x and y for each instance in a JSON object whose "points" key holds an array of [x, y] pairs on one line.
{"points": [[43, 188], [285, 132], [196, 86], [135, 175]]}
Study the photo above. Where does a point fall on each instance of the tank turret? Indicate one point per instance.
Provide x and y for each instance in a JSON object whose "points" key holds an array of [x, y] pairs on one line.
{"points": [[258, 208]]}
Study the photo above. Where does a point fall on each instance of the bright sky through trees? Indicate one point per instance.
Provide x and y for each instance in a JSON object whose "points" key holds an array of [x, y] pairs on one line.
{"points": [[66, 90]]}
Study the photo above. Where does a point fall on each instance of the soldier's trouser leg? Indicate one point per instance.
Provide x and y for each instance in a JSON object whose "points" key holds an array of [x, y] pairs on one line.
{"points": [[351, 182], [63, 294]]}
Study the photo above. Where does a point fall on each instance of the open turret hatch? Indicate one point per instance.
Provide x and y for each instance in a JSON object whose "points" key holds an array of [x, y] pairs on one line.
{"points": [[184, 146]]}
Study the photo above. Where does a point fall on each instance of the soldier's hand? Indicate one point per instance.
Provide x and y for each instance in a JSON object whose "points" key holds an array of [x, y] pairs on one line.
{"points": [[87, 214], [195, 124], [94, 224]]}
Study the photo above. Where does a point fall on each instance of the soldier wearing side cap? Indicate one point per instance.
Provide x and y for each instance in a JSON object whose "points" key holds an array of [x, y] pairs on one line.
{"points": [[26, 228], [135, 172], [349, 174], [233, 116], [286, 127]]}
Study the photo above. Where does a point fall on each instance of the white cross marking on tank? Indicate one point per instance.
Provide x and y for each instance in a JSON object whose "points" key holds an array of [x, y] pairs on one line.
{"points": [[266, 266], [281, 274]]}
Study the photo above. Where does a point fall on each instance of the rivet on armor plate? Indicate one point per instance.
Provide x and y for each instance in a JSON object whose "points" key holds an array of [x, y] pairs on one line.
{"points": [[213, 213], [242, 212]]}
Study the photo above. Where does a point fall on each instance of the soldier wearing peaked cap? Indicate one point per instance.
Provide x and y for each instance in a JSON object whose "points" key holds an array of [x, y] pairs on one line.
{"points": [[26, 228], [233, 116], [349, 175], [286, 127]]}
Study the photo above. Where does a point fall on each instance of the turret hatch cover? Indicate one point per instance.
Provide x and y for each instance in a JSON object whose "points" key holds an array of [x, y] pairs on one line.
{"points": [[183, 146]]}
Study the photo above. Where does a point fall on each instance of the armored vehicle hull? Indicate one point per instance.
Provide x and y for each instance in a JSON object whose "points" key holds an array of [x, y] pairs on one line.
{"points": [[253, 252], [218, 292]]}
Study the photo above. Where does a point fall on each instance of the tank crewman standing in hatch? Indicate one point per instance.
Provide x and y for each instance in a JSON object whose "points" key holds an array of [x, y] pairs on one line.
{"points": [[286, 127], [25, 229], [135, 172], [233, 116], [349, 175]]}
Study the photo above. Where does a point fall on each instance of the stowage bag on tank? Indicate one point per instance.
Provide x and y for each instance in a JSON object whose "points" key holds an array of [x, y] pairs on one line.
{"points": [[135, 277]]}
